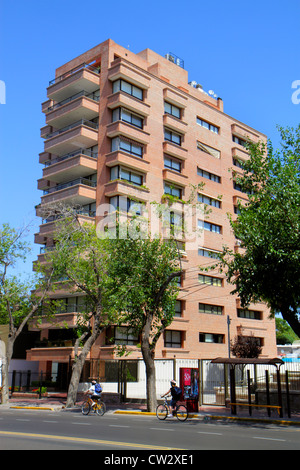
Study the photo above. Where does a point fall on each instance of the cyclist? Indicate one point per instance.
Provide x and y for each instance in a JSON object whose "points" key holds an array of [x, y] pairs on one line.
{"points": [[94, 391], [175, 393]]}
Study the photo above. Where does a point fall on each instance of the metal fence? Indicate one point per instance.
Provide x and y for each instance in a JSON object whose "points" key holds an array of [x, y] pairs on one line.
{"points": [[261, 384]]}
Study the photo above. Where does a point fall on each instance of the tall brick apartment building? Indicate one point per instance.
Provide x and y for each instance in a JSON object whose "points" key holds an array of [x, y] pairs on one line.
{"points": [[125, 125]]}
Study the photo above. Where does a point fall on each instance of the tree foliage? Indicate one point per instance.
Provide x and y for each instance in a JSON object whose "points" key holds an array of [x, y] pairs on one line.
{"points": [[144, 272], [245, 346], [20, 299], [268, 266]]}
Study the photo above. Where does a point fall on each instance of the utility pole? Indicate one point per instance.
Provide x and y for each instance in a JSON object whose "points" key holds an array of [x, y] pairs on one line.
{"points": [[228, 329]]}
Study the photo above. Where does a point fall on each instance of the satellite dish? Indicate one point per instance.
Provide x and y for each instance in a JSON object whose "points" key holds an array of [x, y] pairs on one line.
{"points": [[211, 92]]}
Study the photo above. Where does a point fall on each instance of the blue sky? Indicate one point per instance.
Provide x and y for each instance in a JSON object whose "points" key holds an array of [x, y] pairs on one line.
{"points": [[246, 51]]}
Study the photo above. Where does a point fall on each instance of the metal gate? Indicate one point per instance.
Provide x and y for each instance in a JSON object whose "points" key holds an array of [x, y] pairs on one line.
{"points": [[213, 383]]}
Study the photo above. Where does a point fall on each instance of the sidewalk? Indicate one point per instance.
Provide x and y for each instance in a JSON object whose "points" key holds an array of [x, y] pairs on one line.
{"points": [[56, 402]]}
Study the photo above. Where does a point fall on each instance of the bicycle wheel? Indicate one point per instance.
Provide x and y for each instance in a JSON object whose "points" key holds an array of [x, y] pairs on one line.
{"points": [[86, 408], [181, 413], [161, 412], [100, 408]]}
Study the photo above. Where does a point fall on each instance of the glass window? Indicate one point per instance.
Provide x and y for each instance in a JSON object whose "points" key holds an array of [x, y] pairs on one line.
{"points": [[172, 136], [210, 280], [210, 309], [209, 200], [172, 109], [122, 114], [178, 308], [211, 338], [172, 164], [122, 85], [118, 143], [207, 125], [209, 176], [172, 339], [172, 190]]}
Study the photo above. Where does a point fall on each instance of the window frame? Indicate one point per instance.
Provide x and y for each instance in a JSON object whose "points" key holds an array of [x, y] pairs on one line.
{"points": [[132, 87]]}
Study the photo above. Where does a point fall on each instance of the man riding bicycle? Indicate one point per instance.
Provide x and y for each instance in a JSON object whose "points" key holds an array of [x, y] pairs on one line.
{"points": [[94, 391], [176, 394]]}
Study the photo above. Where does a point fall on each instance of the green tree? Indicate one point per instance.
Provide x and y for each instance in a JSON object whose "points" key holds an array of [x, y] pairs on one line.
{"points": [[144, 273], [18, 302], [79, 264], [268, 267], [284, 333]]}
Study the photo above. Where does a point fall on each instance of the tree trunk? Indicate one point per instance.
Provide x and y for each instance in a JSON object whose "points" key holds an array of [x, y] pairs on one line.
{"points": [[80, 360], [148, 356], [5, 368], [75, 378]]}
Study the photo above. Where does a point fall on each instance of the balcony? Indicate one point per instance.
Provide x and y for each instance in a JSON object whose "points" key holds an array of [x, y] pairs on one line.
{"points": [[175, 124], [71, 166], [79, 134], [79, 191], [123, 188], [175, 150], [120, 99], [82, 105], [49, 225], [84, 77], [127, 130]]}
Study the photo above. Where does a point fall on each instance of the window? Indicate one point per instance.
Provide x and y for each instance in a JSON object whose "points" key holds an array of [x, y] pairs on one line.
{"points": [[210, 150], [251, 314], [208, 253], [178, 308], [239, 141], [207, 125], [209, 176], [120, 143], [122, 114], [124, 335], [122, 85], [211, 338], [122, 173], [237, 162], [172, 164], [211, 309], [210, 280], [210, 201], [209, 227], [126, 204], [172, 339], [173, 110], [172, 190], [172, 136]]}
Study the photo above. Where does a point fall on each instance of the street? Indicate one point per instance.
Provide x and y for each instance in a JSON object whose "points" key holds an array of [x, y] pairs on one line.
{"points": [[62, 430]]}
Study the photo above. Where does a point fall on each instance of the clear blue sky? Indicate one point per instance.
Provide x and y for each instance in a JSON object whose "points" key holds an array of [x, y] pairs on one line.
{"points": [[246, 51]]}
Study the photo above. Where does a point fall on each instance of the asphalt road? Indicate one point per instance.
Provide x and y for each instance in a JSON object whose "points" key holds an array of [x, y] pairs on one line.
{"points": [[118, 434]]}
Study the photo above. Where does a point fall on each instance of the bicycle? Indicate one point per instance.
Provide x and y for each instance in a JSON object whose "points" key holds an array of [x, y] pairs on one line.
{"points": [[180, 412], [99, 407]]}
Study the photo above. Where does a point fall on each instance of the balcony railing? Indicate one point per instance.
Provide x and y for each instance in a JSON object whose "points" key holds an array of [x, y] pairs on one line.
{"points": [[89, 67], [86, 152], [93, 96], [54, 218], [82, 122], [75, 182]]}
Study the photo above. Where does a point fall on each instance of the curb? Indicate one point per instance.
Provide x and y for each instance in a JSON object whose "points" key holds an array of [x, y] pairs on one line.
{"points": [[219, 417], [32, 408]]}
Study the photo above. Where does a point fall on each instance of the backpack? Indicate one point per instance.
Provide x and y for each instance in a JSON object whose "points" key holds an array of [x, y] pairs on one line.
{"points": [[177, 393], [98, 388]]}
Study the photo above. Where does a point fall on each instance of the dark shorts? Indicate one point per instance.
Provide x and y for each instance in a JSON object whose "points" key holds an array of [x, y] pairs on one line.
{"points": [[96, 397], [173, 402]]}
